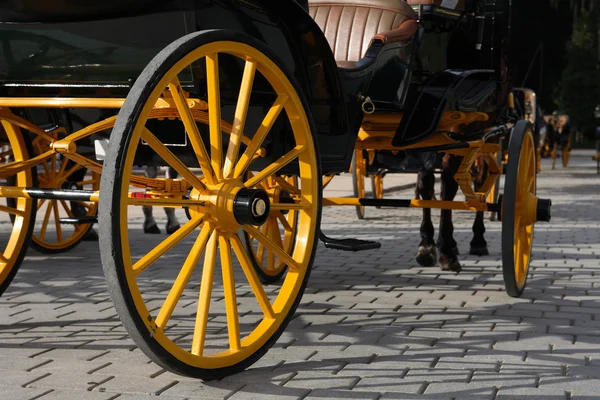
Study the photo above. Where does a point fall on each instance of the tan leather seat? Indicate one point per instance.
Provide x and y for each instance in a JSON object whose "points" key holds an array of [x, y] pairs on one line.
{"points": [[458, 5], [350, 25]]}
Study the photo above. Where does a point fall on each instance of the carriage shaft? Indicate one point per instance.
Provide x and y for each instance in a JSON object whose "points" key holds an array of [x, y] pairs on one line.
{"points": [[402, 203], [86, 102], [49, 194]]}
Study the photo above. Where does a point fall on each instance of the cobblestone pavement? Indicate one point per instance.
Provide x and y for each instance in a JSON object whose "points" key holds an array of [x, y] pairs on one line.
{"points": [[372, 325]]}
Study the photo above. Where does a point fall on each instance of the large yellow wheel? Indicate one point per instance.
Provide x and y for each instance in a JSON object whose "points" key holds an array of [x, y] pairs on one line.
{"points": [[519, 208], [216, 320], [20, 213], [359, 173], [280, 228], [51, 235]]}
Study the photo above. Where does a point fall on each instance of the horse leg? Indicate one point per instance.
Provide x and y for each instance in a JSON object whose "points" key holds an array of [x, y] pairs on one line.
{"points": [[150, 225], [446, 243], [478, 243], [427, 254], [172, 222]]}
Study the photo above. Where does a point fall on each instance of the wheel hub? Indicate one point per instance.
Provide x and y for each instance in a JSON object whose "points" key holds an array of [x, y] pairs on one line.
{"points": [[251, 206], [231, 205]]}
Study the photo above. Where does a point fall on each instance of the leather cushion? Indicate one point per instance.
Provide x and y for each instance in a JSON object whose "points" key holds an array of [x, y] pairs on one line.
{"points": [[349, 25]]}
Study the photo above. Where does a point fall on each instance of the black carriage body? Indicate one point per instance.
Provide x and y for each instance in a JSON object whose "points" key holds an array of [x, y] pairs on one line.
{"points": [[98, 48], [462, 64]]}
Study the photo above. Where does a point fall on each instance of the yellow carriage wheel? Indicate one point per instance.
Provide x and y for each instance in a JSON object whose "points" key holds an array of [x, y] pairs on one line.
{"points": [[51, 235], [280, 227], [21, 211], [359, 173], [214, 319], [519, 208]]}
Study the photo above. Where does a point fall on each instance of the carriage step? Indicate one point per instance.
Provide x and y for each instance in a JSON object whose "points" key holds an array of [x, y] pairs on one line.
{"points": [[79, 221], [348, 244]]}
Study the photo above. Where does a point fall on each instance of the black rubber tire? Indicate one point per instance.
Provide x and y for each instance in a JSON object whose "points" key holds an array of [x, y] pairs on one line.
{"points": [[110, 198], [11, 181], [522, 128], [360, 210]]}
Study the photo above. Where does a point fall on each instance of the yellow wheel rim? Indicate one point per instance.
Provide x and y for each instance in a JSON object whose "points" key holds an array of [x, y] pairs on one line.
{"points": [[21, 209], [280, 228], [212, 227], [523, 226]]}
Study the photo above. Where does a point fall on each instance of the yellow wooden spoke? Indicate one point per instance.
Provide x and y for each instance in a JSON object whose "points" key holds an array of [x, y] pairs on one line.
{"points": [[284, 222], [56, 221], [286, 185], [276, 232], [53, 164], [184, 276], [45, 221], [3, 259], [87, 182], [257, 289], [41, 203], [231, 309], [260, 135], [171, 159], [239, 120], [275, 166], [192, 130], [63, 167], [260, 251], [214, 112], [67, 209], [273, 234], [279, 252], [11, 210], [327, 179], [166, 245], [208, 272]]}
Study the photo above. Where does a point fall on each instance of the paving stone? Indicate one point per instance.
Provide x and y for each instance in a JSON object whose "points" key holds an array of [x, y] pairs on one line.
{"points": [[370, 324], [75, 395]]}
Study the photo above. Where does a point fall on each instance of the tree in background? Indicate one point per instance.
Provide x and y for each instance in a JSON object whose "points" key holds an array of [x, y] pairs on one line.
{"points": [[579, 89]]}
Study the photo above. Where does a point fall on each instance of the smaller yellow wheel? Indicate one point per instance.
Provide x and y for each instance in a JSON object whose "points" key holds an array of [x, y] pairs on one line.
{"points": [[281, 228], [518, 209], [51, 235]]}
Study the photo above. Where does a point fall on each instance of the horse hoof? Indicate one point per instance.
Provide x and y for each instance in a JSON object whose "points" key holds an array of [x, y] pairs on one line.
{"points": [[151, 229], [448, 264], [479, 251], [172, 228], [426, 256]]}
